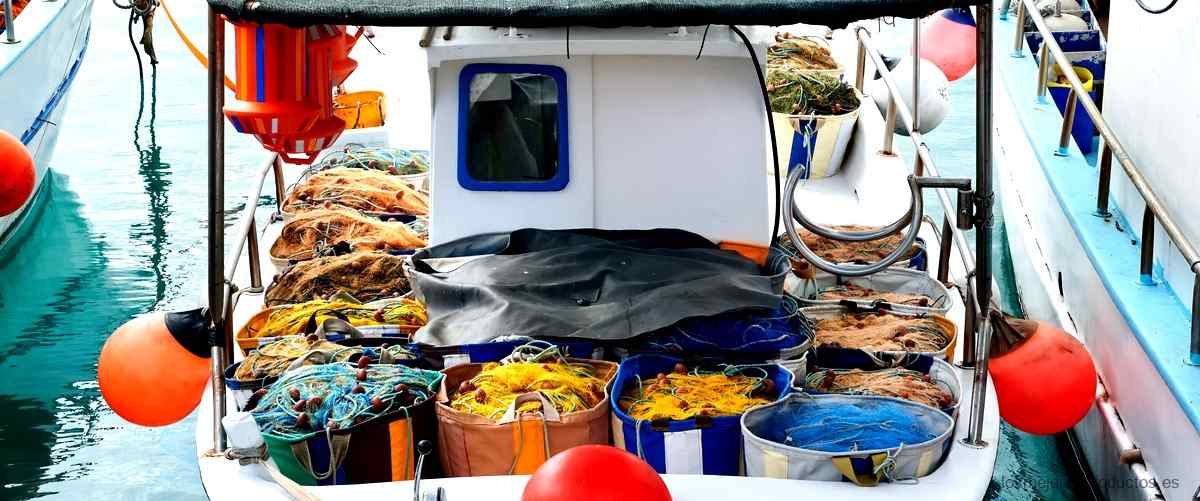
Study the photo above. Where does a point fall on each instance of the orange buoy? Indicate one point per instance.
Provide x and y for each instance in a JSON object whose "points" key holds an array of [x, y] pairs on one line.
{"points": [[1045, 379], [595, 473], [948, 41], [271, 70], [153, 369], [17, 174]]}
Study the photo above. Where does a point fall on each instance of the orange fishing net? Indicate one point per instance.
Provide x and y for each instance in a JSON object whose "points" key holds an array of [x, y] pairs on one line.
{"points": [[364, 276], [851, 291], [315, 233], [847, 252], [898, 383], [357, 189], [884, 332]]}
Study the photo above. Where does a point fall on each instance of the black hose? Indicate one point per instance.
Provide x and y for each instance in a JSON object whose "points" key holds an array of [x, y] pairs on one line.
{"points": [[1159, 10], [762, 82]]}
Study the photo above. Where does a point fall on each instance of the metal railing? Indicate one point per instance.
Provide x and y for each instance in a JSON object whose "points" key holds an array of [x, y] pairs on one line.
{"points": [[973, 208], [10, 28], [1155, 210]]}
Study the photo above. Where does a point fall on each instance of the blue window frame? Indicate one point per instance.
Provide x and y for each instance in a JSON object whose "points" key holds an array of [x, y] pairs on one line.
{"points": [[512, 128]]}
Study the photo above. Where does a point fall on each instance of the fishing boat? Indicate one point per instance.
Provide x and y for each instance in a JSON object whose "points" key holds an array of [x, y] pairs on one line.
{"points": [[613, 127], [40, 53], [1098, 222]]}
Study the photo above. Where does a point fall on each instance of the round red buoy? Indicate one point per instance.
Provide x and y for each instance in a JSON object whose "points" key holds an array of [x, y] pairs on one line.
{"points": [[1045, 380], [595, 473], [948, 41], [17, 175], [147, 376]]}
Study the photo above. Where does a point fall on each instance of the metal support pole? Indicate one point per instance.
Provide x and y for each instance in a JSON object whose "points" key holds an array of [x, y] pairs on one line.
{"points": [[1019, 40], [1147, 266], [216, 213], [10, 29], [252, 248], [983, 212], [889, 127], [1004, 6], [1064, 136], [1105, 176], [1194, 353], [916, 84], [277, 171], [860, 68], [1043, 66], [943, 270]]}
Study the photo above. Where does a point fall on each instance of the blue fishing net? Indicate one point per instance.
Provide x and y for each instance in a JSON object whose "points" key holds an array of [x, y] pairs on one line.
{"points": [[840, 425], [340, 395], [746, 331]]}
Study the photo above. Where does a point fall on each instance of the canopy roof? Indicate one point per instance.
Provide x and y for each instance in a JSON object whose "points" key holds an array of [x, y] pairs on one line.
{"points": [[553, 13]]}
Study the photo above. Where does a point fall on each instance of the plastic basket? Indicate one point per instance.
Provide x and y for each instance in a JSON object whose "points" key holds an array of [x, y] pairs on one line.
{"points": [[704, 445]]}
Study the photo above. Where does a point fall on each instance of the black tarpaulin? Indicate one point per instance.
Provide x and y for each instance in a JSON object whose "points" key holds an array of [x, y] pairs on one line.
{"points": [[593, 284], [554, 13]]}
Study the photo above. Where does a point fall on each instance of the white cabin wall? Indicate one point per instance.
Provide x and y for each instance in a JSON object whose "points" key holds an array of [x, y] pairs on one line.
{"points": [[679, 144], [460, 212], [1151, 101], [661, 141]]}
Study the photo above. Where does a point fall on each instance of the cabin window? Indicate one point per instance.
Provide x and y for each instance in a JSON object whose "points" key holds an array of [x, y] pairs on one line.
{"points": [[512, 128]]}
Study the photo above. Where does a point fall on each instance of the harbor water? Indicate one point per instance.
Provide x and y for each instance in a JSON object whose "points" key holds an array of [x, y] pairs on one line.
{"points": [[121, 231]]}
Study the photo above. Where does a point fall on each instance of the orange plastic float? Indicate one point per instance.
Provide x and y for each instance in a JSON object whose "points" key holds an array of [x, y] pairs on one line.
{"points": [[17, 175], [1045, 379], [153, 369], [270, 98]]}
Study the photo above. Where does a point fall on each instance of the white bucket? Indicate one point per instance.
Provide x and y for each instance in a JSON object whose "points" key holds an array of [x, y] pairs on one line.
{"points": [[817, 143]]}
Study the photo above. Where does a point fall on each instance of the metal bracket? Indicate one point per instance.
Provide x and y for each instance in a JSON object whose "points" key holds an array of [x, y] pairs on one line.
{"points": [[968, 208]]}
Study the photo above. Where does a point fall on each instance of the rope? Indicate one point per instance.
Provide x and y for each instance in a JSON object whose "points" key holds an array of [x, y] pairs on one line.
{"points": [[188, 43]]}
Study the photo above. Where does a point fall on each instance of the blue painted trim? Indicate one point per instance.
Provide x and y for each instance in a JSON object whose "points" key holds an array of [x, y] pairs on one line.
{"points": [[59, 94], [562, 177], [260, 70], [1155, 314]]}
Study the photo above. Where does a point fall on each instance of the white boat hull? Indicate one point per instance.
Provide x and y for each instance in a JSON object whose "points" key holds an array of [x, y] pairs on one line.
{"points": [[1057, 283], [53, 38]]}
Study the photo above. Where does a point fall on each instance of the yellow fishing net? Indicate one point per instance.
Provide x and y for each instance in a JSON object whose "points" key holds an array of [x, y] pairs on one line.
{"points": [[292, 319], [357, 189], [365, 276], [800, 53], [899, 383], [315, 233], [883, 332], [570, 387], [272, 359], [683, 395]]}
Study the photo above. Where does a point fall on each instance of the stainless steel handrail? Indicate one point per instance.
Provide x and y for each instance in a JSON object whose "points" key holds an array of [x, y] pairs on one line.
{"points": [[10, 28], [918, 140], [247, 227], [976, 319], [1155, 210]]}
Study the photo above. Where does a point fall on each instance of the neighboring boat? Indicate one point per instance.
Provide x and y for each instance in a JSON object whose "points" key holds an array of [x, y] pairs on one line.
{"points": [[1110, 257], [39, 58]]}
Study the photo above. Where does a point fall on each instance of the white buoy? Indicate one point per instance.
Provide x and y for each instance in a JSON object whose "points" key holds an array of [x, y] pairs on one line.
{"points": [[1066, 22], [934, 94], [1047, 7]]}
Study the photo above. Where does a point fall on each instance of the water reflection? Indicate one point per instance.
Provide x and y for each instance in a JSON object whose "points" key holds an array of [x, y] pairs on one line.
{"points": [[154, 172]]}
